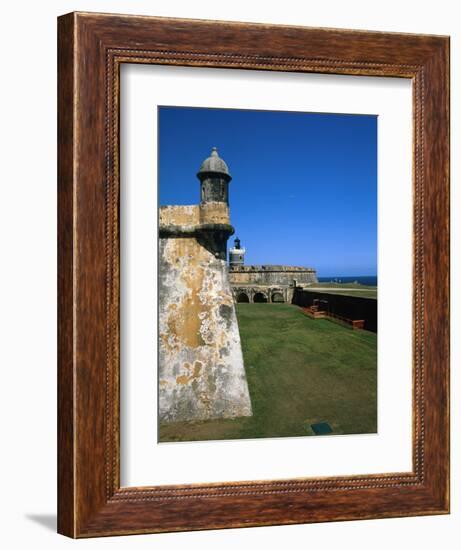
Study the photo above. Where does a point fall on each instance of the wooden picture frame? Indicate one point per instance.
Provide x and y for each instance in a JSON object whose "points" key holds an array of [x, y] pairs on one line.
{"points": [[92, 47]]}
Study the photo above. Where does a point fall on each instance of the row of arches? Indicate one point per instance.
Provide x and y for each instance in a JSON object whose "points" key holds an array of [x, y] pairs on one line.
{"points": [[243, 297]]}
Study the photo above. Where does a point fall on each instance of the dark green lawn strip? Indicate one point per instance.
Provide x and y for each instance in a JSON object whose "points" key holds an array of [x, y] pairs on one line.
{"points": [[346, 289]]}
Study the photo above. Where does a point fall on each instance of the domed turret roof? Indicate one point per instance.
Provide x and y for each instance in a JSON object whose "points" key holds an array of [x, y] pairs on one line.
{"points": [[214, 164]]}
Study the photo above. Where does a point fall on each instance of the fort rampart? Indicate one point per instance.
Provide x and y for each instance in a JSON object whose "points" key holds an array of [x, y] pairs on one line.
{"points": [[348, 307]]}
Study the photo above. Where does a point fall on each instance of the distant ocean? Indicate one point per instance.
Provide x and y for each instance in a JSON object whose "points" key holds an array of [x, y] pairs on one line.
{"points": [[371, 280]]}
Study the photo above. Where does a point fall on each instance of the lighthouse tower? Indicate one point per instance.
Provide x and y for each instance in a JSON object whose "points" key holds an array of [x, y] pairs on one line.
{"points": [[236, 254]]}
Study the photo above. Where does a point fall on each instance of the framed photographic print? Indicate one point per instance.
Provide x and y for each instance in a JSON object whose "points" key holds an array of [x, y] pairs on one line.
{"points": [[253, 275]]}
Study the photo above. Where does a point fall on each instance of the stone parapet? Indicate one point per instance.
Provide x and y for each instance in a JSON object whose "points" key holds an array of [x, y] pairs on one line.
{"points": [[272, 275], [274, 268]]}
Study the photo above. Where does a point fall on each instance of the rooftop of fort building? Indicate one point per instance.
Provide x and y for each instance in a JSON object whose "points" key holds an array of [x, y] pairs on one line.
{"points": [[284, 268]]}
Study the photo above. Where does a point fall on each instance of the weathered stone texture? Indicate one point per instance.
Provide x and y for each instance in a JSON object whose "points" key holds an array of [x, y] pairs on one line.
{"points": [[183, 216], [214, 212], [271, 275], [201, 371], [267, 283]]}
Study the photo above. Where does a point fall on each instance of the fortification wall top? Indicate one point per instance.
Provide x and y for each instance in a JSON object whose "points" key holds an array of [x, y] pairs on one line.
{"points": [[272, 268]]}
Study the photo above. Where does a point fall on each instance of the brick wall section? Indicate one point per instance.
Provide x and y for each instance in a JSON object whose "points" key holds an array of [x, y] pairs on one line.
{"points": [[350, 307]]}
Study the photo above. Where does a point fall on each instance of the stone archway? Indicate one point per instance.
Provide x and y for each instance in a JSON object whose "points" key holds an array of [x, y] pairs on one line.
{"points": [[243, 298], [259, 298], [277, 297]]}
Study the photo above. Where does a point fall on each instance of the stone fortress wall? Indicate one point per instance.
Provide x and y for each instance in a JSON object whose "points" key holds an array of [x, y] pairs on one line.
{"points": [[266, 283], [272, 275], [201, 371]]}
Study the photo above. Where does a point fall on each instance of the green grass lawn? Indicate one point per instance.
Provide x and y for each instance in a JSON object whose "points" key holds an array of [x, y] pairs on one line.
{"points": [[300, 371], [346, 289]]}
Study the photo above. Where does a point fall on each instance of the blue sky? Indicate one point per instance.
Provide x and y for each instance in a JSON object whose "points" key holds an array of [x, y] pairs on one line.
{"points": [[304, 187]]}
